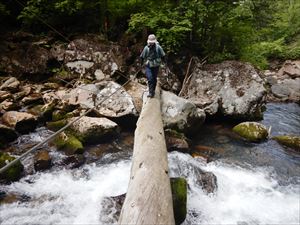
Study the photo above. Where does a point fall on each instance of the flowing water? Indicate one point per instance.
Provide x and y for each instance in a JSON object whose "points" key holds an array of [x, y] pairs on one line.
{"points": [[257, 183]]}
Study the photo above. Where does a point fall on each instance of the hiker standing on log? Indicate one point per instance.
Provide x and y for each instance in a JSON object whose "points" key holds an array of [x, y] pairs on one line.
{"points": [[152, 56]]}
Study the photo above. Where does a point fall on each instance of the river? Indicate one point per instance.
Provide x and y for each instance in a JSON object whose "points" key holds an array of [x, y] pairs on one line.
{"points": [[257, 183]]}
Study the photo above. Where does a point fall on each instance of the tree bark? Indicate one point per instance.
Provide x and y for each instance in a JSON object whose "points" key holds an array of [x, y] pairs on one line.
{"points": [[149, 198]]}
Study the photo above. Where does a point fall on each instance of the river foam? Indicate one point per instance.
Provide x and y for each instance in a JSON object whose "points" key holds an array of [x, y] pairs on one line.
{"points": [[65, 196], [244, 196]]}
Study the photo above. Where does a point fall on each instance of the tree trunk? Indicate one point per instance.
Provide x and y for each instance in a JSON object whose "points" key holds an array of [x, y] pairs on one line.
{"points": [[149, 198]]}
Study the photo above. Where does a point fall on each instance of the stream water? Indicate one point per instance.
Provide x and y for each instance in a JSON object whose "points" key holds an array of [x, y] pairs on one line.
{"points": [[257, 183]]}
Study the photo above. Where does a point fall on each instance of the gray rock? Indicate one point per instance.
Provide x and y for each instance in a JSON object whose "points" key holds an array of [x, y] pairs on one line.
{"points": [[92, 129], [180, 114], [288, 89], [232, 88], [100, 95]]}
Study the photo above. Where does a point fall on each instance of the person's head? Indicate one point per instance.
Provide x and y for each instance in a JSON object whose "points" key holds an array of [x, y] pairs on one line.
{"points": [[151, 40]]}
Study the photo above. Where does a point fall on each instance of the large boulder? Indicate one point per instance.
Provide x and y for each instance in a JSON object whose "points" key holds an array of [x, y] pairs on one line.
{"points": [[180, 114], [92, 129], [136, 91], [21, 121], [289, 141], [25, 58], [110, 99], [233, 89], [90, 56], [251, 131], [7, 135]]}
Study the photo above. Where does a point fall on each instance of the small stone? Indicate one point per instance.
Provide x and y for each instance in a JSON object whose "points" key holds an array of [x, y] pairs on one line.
{"points": [[42, 161]]}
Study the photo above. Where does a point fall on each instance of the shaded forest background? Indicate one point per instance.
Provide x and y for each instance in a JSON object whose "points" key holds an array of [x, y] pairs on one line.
{"points": [[255, 31]]}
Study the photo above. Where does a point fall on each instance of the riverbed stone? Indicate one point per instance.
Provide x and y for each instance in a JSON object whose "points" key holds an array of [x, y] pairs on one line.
{"points": [[5, 95], [251, 131], [11, 84], [14, 173], [207, 181], [43, 112], [180, 114], [290, 68], [111, 207], [7, 135], [21, 121], [179, 196], [291, 141], [42, 160], [68, 144], [93, 129], [232, 89], [176, 141]]}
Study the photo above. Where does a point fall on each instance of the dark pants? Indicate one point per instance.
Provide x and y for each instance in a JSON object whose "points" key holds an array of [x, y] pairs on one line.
{"points": [[151, 73]]}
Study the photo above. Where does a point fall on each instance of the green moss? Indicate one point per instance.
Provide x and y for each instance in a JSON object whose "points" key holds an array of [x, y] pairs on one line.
{"points": [[43, 111], [68, 143], [289, 141], [251, 131], [56, 125], [13, 173], [58, 115], [179, 194]]}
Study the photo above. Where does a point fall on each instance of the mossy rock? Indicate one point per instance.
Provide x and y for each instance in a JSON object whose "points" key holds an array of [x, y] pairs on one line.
{"points": [[58, 115], [44, 112], [251, 131], [14, 172], [179, 195], [68, 143], [289, 141], [56, 125]]}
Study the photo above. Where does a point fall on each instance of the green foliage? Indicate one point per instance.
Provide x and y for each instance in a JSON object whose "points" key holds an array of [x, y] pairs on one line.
{"points": [[170, 26], [3, 10], [251, 30]]}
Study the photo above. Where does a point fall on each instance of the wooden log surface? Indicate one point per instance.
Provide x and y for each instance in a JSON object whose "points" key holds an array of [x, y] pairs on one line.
{"points": [[149, 198]]}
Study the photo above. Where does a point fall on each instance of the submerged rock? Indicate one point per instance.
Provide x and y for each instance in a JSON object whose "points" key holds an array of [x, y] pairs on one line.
{"points": [[68, 143], [207, 181], [179, 196], [42, 161], [21, 121], [233, 89], [111, 208], [289, 141], [14, 173], [180, 114], [251, 131]]}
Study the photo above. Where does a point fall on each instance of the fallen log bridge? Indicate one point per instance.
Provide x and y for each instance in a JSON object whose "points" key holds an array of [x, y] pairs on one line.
{"points": [[149, 198]]}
